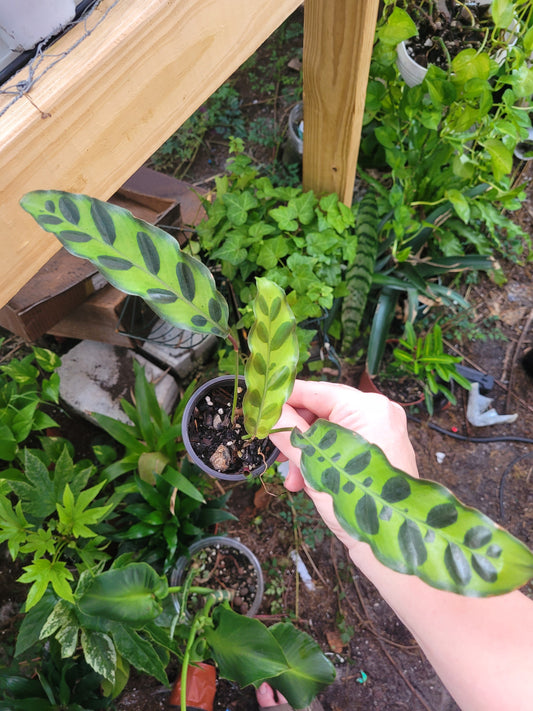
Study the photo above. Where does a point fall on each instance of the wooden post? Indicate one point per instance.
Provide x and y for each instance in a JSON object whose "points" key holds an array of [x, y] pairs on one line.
{"points": [[338, 40]]}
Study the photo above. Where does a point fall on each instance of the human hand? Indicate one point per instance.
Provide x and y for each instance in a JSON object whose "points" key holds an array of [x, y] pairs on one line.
{"points": [[374, 417]]}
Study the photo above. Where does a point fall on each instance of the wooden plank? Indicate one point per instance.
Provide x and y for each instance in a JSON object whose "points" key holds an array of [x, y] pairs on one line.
{"points": [[91, 120], [338, 39]]}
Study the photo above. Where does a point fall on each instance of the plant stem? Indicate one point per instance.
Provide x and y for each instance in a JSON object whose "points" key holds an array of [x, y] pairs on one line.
{"points": [[235, 382]]}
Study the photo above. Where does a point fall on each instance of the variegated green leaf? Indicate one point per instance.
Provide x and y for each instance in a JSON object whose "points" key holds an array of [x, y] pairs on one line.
{"points": [[271, 367], [413, 526], [100, 653], [134, 256]]}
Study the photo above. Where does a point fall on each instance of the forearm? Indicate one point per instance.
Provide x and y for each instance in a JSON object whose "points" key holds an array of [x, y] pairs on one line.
{"points": [[482, 649]]}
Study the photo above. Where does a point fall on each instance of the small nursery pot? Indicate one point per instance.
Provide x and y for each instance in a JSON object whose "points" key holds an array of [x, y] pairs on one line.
{"points": [[214, 448], [238, 555], [201, 687]]}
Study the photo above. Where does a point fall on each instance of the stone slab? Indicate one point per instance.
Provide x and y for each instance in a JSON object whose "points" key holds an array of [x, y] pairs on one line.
{"points": [[95, 376]]}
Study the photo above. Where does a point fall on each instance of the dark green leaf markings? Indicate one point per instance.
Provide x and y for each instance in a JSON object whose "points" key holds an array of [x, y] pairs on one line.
{"points": [[149, 252], [414, 526], [103, 222], [68, 209], [186, 280]]}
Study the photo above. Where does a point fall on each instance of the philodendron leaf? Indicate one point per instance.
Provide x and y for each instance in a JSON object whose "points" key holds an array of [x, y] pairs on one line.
{"points": [[134, 256], [128, 595], [249, 653], [271, 367], [413, 526]]}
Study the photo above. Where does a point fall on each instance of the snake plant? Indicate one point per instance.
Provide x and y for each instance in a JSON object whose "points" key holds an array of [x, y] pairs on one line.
{"points": [[413, 526]]}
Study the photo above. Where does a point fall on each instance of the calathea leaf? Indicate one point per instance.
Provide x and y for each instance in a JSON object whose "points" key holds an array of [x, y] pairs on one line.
{"points": [[413, 526], [271, 368], [134, 256]]}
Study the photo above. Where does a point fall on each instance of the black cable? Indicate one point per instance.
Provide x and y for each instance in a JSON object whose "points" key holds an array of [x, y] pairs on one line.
{"points": [[477, 440]]}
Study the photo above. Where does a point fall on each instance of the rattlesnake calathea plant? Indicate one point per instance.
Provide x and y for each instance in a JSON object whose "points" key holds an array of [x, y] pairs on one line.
{"points": [[414, 526]]}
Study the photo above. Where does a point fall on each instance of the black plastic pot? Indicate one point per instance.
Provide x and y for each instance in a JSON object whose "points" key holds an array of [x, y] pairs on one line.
{"points": [[179, 573], [188, 434]]}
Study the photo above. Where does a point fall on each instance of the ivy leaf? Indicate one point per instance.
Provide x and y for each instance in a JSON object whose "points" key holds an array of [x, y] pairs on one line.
{"points": [[41, 573], [135, 257], [74, 514], [238, 205], [413, 526], [285, 217]]}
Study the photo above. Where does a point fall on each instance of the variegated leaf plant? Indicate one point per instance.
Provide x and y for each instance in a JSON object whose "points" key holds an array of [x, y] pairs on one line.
{"points": [[143, 260], [413, 526]]}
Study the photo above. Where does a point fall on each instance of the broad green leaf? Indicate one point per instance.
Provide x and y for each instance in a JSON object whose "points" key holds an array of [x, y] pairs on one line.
{"points": [[8, 444], [468, 64], [413, 526], [501, 158], [100, 653], [309, 670], [502, 12], [282, 655], [33, 621], [398, 28], [134, 256], [271, 367], [128, 595], [236, 637]]}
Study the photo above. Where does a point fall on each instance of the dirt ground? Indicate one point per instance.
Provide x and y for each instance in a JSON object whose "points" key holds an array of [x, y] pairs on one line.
{"points": [[378, 664]]}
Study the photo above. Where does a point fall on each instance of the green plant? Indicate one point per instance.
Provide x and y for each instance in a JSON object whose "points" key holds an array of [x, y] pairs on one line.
{"points": [[141, 259], [55, 684], [442, 140], [301, 242], [164, 510], [53, 521], [23, 392], [425, 358]]}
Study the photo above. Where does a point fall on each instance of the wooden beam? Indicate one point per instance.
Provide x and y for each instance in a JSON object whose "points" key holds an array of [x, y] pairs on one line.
{"points": [[338, 40], [98, 114]]}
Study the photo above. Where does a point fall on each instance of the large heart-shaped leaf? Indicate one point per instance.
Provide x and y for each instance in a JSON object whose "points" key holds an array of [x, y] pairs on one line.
{"points": [[134, 256], [282, 655], [128, 595], [413, 526], [271, 367]]}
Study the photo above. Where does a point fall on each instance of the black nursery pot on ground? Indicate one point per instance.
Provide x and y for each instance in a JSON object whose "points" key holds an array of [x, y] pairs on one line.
{"points": [[215, 444], [223, 563]]}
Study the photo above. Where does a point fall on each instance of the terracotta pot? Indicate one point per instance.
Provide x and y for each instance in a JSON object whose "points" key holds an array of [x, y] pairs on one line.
{"points": [[179, 573], [201, 688], [188, 423]]}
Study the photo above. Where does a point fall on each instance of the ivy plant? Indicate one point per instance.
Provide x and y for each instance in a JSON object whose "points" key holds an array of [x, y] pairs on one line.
{"points": [[142, 259], [26, 385]]}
